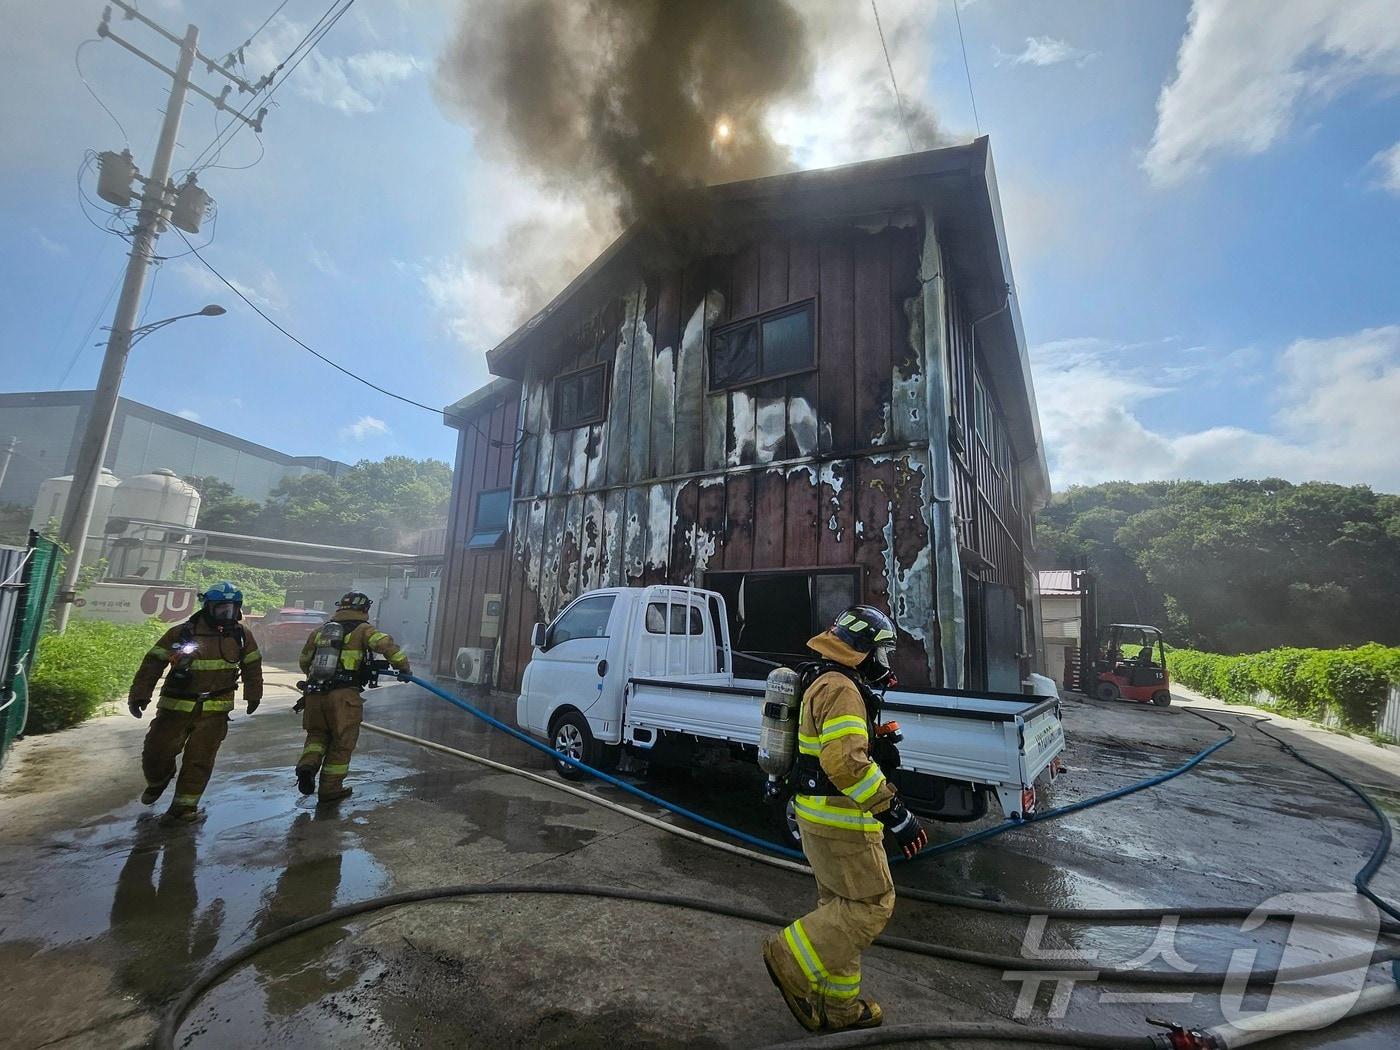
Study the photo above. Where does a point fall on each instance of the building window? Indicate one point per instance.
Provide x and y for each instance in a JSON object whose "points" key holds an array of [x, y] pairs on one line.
{"points": [[492, 517], [580, 397], [778, 343]]}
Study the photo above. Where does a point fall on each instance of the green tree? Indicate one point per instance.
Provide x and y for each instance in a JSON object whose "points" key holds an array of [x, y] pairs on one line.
{"points": [[1239, 566], [220, 509], [375, 504]]}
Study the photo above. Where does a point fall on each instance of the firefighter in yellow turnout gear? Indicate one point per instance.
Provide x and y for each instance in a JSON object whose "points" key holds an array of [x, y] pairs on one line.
{"points": [[205, 656], [844, 807], [336, 660]]}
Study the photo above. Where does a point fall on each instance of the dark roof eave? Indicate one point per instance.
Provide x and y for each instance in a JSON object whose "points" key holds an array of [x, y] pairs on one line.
{"points": [[459, 412]]}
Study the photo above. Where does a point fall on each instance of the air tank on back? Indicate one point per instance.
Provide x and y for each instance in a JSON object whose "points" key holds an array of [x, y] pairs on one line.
{"points": [[777, 734], [144, 552]]}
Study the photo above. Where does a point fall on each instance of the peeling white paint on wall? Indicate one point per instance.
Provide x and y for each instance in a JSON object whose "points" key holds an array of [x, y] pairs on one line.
{"points": [[532, 567], [771, 428], [741, 427], [834, 480], [802, 419], [659, 510], [711, 482], [705, 543]]}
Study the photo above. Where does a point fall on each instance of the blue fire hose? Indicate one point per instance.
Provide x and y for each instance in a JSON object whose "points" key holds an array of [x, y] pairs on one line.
{"points": [[785, 851]]}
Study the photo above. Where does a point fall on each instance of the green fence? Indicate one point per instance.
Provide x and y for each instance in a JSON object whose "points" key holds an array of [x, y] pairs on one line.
{"points": [[26, 592]]}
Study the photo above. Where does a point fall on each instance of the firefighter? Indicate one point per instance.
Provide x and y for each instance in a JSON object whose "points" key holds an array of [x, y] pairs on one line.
{"points": [[205, 657], [336, 660], [845, 807]]}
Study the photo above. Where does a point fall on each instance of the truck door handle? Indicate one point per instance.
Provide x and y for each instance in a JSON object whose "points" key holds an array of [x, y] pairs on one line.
{"points": [[602, 668]]}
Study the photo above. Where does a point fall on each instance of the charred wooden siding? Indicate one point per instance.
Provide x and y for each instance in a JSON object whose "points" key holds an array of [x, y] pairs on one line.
{"points": [[485, 450], [825, 468], [988, 495]]}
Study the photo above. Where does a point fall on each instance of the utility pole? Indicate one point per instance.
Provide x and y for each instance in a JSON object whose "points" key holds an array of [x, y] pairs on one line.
{"points": [[155, 207], [5, 459]]}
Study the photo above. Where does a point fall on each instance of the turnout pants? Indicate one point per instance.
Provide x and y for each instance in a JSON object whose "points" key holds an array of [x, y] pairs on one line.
{"points": [[193, 736], [819, 955], [332, 724]]}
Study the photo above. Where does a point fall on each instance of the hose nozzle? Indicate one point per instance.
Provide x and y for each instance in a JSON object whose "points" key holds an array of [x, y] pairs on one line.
{"points": [[1177, 1037]]}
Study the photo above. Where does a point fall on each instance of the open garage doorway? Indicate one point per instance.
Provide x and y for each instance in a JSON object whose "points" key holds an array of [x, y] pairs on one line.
{"points": [[773, 613]]}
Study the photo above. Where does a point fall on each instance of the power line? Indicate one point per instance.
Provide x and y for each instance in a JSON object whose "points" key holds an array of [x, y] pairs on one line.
{"points": [[966, 70], [77, 64], [296, 56], [314, 353], [317, 354], [253, 35], [898, 101]]}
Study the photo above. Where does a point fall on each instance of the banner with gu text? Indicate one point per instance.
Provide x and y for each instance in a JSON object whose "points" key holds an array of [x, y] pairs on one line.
{"points": [[136, 602]]}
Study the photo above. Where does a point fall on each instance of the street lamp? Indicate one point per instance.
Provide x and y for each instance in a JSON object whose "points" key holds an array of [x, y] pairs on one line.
{"points": [[77, 514]]}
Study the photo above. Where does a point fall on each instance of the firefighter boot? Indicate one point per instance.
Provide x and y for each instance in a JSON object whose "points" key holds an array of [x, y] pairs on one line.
{"points": [[870, 1016], [152, 794], [306, 781], [335, 796], [784, 974], [176, 817]]}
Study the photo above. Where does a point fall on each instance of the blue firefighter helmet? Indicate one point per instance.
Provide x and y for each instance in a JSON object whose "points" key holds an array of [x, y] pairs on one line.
{"points": [[223, 591]]}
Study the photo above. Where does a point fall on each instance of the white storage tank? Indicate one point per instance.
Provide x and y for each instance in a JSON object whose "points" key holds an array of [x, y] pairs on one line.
{"points": [[53, 498], [146, 553]]}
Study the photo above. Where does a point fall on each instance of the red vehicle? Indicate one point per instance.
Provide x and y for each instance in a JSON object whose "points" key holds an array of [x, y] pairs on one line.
{"points": [[283, 632], [1132, 665]]}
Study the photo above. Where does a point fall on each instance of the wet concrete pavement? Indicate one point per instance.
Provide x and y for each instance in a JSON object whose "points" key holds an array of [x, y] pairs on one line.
{"points": [[104, 916]]}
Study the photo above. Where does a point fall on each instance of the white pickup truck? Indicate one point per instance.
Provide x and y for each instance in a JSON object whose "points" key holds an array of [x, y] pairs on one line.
{"points": [[648, 673]]}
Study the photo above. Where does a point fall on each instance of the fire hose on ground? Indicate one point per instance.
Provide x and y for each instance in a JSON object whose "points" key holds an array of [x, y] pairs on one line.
{"points": [[1224, 1037]]}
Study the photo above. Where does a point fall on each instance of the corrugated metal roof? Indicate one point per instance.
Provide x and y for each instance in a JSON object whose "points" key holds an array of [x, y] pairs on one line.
{"points": [[1057, 581]]}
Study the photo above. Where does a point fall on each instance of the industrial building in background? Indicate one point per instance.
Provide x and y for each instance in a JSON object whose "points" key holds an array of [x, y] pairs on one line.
{"points": [[816, 395], [49, 425]]}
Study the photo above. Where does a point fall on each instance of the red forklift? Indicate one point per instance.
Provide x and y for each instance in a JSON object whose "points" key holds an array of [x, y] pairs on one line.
{"points": [[1132, 665]]}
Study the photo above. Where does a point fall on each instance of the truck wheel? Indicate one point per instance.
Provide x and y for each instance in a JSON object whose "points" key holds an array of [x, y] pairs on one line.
{"points": [[1161, 698], [785, 823], [1106, 691], [571, 736]]}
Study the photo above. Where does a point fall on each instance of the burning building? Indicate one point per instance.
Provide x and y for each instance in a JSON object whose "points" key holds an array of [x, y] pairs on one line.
{"points": [[817, 393]]}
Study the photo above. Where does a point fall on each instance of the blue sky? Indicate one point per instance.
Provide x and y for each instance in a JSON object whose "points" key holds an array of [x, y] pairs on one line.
{"points": [[1203, 203]]}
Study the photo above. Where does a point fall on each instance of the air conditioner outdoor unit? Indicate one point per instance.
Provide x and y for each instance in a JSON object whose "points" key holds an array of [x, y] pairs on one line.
{"points": [[472, 666]]}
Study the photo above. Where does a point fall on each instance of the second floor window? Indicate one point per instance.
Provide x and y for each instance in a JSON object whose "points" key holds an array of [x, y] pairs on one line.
{"points": [[780, 342], [580, 397]]}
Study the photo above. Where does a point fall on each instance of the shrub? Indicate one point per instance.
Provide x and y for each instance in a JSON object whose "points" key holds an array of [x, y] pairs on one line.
{"points": [[90, 664], [263, 589], [1350, 685]]}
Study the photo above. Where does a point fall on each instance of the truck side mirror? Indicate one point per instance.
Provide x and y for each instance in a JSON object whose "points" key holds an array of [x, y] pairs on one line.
{"points": [[538, 635]]}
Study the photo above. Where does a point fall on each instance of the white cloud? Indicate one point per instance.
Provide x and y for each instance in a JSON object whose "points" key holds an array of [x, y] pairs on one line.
{"points": [[266, 291], [355, 83], [48, 244], [1047, 51], [323, 261], [1247, 67], [364, 427], [1387, 163], [188, 413], [1335, 417]]}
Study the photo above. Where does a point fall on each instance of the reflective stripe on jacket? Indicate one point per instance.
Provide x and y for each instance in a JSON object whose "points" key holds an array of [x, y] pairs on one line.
{"points": [[834, 728], [217, 665], [363, 635]]}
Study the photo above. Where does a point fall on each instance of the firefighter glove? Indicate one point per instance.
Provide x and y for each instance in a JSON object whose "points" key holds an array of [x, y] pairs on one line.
{"points": [[909, 834], [300, 705], [404, 676], [253, 705], [136, 707]]}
